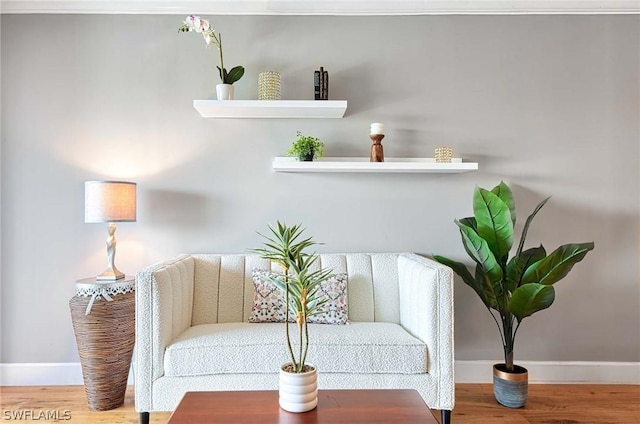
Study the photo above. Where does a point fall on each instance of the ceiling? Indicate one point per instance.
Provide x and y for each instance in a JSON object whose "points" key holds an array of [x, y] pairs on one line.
{"points": [[324, 7]]}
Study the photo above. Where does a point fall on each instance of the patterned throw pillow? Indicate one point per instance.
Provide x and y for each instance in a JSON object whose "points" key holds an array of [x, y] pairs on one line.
{"points": [[268, 301]]}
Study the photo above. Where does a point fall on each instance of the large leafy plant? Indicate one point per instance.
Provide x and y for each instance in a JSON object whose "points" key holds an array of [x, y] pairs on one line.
{"points": [[301, 286], [511, 289]]}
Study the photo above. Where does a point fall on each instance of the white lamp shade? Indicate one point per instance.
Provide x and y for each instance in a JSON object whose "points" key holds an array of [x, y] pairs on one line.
{"points": [[109, 201]]}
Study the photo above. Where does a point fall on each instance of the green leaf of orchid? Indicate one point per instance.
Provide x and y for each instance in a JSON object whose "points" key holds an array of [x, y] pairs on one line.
{"points": [[235, 74]]}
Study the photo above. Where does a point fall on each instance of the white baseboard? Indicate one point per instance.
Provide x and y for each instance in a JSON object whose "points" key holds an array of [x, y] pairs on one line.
{"points": [[45, 374], [546, 372], [540, 372]]}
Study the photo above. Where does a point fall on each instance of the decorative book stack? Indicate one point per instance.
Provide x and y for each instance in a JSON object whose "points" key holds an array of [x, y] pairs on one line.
{"points": [[321, 84]]}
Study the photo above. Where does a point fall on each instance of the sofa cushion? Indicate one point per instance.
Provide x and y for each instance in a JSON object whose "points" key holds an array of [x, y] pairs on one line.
{"points": [[269, 304], [362, 347]]}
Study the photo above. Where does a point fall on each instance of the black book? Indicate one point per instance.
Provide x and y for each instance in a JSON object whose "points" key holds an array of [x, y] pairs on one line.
{"points": [[321, 83], [325, 85], [316, 84]]}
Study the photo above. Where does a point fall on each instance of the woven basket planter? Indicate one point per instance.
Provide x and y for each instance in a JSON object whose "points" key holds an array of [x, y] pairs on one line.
{"points": [[105, 340]]}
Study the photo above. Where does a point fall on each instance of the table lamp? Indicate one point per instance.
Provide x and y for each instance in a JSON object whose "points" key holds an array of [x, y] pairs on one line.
{"points": [[110, 202]]}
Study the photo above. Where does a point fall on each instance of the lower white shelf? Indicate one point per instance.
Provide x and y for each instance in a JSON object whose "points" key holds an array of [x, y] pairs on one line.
{"points": [[397, 165]]}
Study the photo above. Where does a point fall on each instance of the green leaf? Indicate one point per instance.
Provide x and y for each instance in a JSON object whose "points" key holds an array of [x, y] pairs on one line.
{"points": [[458, 267], [529, 299], [519, 264], [235, 74], [462, 271], [504, 193], [284, 246], [557, 265], [479, 251], [277, 280], [491, 291], [494, 222], [470, 222], [527, 223], [306, 145]]}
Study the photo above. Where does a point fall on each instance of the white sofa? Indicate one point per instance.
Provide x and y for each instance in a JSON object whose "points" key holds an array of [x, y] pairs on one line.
{"points": [[192, 332]]}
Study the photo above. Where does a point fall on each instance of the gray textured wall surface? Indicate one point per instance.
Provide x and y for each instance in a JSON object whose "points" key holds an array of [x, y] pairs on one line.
{"points": [[549, 104]]}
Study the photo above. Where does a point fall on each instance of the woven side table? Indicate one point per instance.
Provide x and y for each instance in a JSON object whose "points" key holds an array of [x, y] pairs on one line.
{"points": [[103, 316]]}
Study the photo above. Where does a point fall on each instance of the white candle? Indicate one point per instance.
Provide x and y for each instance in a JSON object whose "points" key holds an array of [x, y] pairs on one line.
{"points": [[377, 128]]}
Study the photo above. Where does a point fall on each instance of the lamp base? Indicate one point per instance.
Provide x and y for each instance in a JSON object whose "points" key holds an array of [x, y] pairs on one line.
{"points": [[110, 275]]}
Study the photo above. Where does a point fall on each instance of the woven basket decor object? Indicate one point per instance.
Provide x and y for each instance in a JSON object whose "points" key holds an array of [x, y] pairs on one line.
{"points": [[105, 336]]}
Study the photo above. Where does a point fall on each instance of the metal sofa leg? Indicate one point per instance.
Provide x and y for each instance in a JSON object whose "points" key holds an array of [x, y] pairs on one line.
{"points": [[445, 416], [144, 418]]}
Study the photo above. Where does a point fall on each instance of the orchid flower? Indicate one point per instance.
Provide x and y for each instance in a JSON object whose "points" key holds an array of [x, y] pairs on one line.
{"points": [[196, 24]]}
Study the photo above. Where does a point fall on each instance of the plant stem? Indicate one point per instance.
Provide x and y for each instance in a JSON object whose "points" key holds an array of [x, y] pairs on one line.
{"points": [[301, 363], [498, 325], [221, 60], [303, 300], [306, 342], [508, 345], [510, 356], [509, 361], [285, 268]]}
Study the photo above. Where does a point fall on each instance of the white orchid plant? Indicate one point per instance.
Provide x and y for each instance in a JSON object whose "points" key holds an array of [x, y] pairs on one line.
{"points": [[194, 23]]}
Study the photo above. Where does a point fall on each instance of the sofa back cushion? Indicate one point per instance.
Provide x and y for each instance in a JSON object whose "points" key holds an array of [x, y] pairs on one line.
{"points": [[224, 290]]}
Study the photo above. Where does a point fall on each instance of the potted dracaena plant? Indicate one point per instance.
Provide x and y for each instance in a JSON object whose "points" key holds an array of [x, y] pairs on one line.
{"points": [[306, 148], [194, 23], [286, 246], [511, 289]]}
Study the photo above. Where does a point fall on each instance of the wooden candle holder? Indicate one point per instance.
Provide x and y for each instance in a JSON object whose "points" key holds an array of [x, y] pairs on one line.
{"points": [[377, 153]]}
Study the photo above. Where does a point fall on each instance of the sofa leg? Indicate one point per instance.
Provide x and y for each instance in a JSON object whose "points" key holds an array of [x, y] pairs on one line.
{"points": [[445, 416], [144, 418]]}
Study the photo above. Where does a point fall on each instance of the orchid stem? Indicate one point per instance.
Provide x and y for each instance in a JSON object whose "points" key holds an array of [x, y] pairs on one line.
{"points": [[221, 60]]}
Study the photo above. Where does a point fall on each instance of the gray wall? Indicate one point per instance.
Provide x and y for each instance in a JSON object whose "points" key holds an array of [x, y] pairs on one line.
{"points": [[549, 104]]}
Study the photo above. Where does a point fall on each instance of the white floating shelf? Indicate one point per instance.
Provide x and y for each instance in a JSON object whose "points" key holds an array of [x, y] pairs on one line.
{"points": [[398, 165], [271, 108]]}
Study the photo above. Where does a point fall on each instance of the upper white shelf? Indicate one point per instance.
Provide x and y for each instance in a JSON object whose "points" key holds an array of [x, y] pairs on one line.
{"points": [[271, 108], [398, 165]]}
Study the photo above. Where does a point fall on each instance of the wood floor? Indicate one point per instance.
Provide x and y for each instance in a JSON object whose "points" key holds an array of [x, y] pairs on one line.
{"points": [[547, 404]]}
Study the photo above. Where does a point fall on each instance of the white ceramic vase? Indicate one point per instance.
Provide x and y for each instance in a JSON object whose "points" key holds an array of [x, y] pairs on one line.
{"points": [[298, 391], [224, 91]]}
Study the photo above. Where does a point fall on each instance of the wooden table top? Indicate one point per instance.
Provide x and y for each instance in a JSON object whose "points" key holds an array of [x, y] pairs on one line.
{"points": [[334, 406]]}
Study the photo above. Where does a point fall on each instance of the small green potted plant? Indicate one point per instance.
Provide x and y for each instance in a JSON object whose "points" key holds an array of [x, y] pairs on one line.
{"points": [[301, 287], [306, 148], [511, 289]]}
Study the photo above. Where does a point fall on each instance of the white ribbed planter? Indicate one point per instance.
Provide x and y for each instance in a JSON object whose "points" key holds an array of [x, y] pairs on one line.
{"points": [[298, 391]]}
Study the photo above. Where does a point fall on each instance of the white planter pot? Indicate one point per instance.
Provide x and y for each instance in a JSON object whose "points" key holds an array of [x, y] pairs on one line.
{"points": [[298, 391], [224, 91]]}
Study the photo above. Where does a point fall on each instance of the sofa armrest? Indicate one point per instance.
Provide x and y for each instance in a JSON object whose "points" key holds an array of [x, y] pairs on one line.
{"points": [[426, 311], [164, 305]]}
